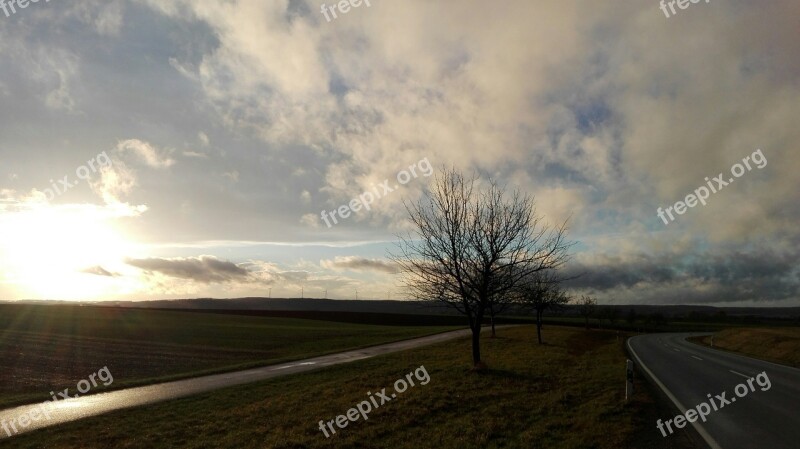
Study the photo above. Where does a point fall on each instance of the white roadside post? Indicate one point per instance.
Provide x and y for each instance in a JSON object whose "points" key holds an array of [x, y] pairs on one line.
{"points": [[629, 381]]}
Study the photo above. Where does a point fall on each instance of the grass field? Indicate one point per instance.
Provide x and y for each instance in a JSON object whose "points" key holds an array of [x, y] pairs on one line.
{"points": [[44, 348], [567, 393], [779, 345]]}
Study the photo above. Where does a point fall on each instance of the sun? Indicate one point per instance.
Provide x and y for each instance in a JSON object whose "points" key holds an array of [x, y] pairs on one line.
{"points": [[46, 250]]}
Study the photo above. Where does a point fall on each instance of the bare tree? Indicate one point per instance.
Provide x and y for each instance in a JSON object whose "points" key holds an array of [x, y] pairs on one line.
{"points": [[498, 305], [470, 248], [541, 292], [495, 307], [586, 306]]}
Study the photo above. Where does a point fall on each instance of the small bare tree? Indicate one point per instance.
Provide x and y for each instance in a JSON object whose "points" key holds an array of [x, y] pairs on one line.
{"points": [[495, 308], [586, 306], [540, 293], [470, 248]]}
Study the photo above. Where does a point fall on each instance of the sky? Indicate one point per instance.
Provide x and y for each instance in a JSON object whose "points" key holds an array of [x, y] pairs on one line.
{"points": [[156, 149]]}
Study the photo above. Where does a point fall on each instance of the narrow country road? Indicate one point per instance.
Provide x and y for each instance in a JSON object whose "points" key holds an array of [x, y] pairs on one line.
{"points": [[767, 416]]}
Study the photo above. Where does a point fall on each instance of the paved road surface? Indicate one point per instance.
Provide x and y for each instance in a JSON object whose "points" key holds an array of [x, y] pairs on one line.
{"points": [[689, 372], [65, 411]]}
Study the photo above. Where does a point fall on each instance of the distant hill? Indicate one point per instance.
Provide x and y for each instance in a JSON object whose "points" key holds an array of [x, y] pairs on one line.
{"points": [[429, 308], [295, 304]]}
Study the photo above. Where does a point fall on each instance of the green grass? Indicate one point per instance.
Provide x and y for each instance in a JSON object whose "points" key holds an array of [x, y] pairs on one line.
{"points": [[44, 348], [567, 393], [779, 345]]}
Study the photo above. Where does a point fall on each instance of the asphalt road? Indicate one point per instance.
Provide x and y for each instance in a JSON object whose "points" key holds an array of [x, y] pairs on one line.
{"points": [[688, 373], [64, 411]]}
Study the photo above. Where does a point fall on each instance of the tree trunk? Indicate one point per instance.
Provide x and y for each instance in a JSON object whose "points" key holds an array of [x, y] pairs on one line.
{"points": [[491, 319], [539, 325], [476, 345]]}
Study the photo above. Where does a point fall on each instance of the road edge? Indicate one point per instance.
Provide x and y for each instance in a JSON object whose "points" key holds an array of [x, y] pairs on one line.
{"points": [[712, 443]]}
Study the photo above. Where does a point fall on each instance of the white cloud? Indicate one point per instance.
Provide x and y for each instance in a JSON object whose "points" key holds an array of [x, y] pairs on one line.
{"points": [[195, 154], [57, 70], [233, 176], [203, 138], [310, 220], [151, 155]]}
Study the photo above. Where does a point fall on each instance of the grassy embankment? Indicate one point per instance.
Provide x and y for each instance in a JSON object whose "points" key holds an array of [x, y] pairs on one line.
{"points": [[49, 348], [567, 393], [671, 324], [779, 345]]}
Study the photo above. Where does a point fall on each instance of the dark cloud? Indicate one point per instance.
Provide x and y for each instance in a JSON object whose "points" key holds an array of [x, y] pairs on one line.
{"points": [[205, 269], [360, 264], [727, 276]]}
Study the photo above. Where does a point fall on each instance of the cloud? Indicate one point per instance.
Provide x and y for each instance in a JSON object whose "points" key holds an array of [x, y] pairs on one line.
{"points": [[57, 69], [99, 271], [360, 264], [152, 156], [297, 276], [108, 18], [195, 154], [115, 182], [722, 276], [326, 98], [598, 117], [203, 269], [233, 176], [203, 138], [310, 220]]}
